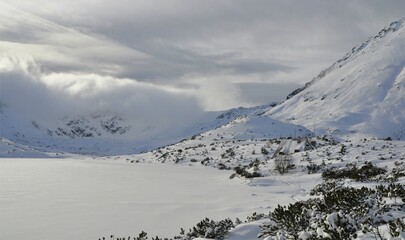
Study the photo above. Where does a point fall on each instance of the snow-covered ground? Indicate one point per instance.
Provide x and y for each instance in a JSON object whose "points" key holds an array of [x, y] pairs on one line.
{"points": [[254, 156], [86, 198]]}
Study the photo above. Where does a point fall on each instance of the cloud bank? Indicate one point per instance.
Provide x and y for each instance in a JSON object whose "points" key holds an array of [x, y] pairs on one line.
{"points": [[212, 54], [31, 94]]}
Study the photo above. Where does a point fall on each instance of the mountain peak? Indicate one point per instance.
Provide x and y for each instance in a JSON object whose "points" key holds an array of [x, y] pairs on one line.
{"points": [[355, 51], [363, 92]]}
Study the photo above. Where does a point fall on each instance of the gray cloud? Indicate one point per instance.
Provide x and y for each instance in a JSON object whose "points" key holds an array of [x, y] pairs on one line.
{"points": [[257, 66], [30, 94], [177, 43], [262, 93]]}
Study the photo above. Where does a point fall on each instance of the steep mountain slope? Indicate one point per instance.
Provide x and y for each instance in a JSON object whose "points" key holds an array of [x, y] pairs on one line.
{"points": [[364, 92]]}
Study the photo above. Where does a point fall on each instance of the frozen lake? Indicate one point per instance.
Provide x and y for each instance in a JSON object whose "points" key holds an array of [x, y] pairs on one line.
{"points": [[88, 199]]}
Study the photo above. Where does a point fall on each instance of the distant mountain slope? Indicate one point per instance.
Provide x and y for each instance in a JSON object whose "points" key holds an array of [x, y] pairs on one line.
{"points": [[109, 133], [364, 92]]}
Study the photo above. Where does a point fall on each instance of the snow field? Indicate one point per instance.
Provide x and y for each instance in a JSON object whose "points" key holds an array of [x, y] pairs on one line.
{"points": [[87, 199]]}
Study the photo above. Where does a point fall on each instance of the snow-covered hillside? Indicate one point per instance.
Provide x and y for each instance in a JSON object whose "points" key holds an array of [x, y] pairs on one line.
{"points": [[364, 92], [304, 172], [109, 133], [360, 96], [255, 125], [10, 149]]}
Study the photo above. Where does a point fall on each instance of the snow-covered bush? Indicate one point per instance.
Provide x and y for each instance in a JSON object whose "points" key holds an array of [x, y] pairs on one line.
{"points": [[249, 171], [255, 217], [283, 163], [398, 171], [326, 186], [142, 236], [393, 191], [397, 228], [313, 168], [288, 220], [264, 151], [242, 171], [341, 214], [208, 229], [229, 153], [367, 172]]}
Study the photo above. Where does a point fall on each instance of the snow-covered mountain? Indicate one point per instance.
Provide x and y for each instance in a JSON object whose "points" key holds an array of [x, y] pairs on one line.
{"points": [[363, 92], [99, 133], [109, 133], [255, 125]]}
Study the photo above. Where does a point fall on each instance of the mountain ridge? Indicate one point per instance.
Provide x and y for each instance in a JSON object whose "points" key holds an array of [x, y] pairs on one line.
{"points": [[394, 26], [363, 92]]}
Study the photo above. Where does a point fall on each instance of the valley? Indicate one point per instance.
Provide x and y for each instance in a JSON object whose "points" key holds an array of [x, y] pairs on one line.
{"points": [[87, 159]]}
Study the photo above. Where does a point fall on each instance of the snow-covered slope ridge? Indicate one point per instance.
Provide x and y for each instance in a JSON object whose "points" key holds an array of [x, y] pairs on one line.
{"points": [[252, 123], [258, 127], [246, 124], [363, 92]]}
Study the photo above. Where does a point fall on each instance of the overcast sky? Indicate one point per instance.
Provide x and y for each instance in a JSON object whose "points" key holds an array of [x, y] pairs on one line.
{"points": [[212, 54]]}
